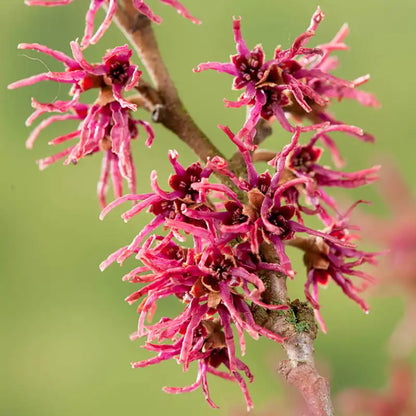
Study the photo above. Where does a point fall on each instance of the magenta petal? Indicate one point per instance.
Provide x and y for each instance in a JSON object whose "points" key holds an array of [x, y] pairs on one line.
{"points": [[48, 3], [240, 44], [182, 10], [217, 66], [60, 56], [111, 10], [69, 78], [143, 8]]}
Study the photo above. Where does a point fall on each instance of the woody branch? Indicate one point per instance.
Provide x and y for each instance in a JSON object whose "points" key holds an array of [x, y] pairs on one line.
{"points": [[167, 108]]}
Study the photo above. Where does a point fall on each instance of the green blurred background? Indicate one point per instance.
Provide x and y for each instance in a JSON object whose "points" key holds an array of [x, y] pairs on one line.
{"points": [[65, 326]]}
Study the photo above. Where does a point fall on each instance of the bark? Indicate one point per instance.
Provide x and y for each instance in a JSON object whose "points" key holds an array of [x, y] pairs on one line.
{"points": [[298, 325], [169, 109]]}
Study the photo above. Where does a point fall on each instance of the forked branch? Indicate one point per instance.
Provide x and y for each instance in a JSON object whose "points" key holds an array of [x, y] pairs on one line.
{"points": [[167, 108]]}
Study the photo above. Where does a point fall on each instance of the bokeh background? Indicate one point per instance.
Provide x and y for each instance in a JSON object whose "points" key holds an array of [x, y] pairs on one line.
{"points": [[64, 325]]}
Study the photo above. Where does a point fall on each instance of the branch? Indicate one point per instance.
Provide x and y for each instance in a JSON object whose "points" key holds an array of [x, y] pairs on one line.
{"points": [[167, 108], [299, 326], [170, 111]]}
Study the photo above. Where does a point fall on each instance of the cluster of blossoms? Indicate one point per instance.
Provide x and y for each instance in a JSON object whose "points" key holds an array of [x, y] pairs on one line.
{"points": [[212, 259], [295, 84], [107, 125], [218, 277]]}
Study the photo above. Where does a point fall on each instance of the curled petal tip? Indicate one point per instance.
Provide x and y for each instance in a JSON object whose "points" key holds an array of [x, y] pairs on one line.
{"points": [[13, 85]]}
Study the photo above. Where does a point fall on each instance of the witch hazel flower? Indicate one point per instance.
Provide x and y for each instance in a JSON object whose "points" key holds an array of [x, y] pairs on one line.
{"points": [[115, 73], [303, 162], [329, 254], [304, 159], [327, 261], [206, 346], [216, 272], [207, 349], [215, 284], [104, 128], [107, 125], [296, 82], [111, 8], [163, 205], [267, 217]]}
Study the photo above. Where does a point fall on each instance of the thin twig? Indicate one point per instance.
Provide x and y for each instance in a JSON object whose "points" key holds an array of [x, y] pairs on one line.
{"points": [[299, 369], [170, 112]]}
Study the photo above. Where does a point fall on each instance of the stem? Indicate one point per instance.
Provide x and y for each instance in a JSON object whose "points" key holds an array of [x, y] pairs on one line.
{"points": [[170, 112], [299, 370]]}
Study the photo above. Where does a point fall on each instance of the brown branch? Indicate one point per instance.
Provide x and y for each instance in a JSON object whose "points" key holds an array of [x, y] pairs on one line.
{"points": [[298, 325], [147, 97], [138, 30], [164, 102], [170, 111], [263, 155]]}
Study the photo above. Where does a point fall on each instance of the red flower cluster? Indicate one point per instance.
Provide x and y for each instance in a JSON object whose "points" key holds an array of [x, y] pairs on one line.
{"points": [[216, 273], [107, 125], [296, 83], [211, 257]]}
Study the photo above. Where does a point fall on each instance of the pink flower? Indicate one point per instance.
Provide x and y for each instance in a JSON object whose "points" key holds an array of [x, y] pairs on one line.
{"points": [[303, 162], [296, 82], [106, 126], [215, 278], [214, 282], [111, 9], [109, 129], [164, 205], [216, 273], [115, 73], [267, 217], [329, 254], [326, 261]]}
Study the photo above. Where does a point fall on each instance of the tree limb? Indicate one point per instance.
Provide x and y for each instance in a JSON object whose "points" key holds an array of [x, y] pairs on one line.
{"points": [[170, 112], [298, 325], [167, 108]]}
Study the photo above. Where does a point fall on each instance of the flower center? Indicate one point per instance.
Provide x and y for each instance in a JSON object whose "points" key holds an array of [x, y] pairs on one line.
{"points": [[280, 219], [118, 72]]}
